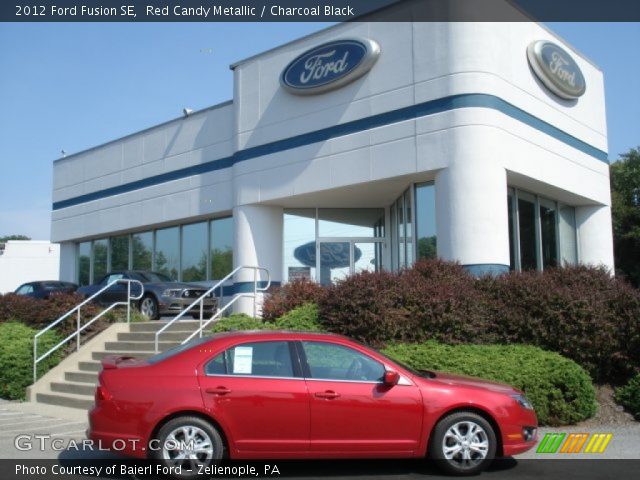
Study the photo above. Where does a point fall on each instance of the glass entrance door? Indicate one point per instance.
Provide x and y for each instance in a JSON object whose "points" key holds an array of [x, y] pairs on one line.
{"points": [[337, 259]]}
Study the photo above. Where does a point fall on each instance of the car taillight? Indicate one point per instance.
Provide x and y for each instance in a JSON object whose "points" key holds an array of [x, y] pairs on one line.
{"points": [[102, 394]]}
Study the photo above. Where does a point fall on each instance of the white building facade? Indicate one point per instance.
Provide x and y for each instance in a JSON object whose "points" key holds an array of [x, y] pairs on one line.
{"points": [[364, 146], [23, 261]]}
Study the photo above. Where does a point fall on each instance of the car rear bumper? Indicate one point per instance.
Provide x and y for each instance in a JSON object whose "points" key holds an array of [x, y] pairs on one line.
{"points": [[104, 438]]}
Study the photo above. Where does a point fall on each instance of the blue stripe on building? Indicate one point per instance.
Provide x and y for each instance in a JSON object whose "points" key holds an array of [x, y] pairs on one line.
{"points": [[471, 100]]}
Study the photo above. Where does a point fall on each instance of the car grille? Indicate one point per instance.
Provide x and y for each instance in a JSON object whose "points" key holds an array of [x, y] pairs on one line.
{"points": [[191, 293]]}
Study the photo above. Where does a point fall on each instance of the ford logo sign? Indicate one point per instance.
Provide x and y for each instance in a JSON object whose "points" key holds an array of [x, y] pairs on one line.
{"points": [[330, 65], [556, 69]]}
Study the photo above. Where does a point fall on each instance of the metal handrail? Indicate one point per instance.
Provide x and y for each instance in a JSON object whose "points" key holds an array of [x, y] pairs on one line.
{"points": [[219, 284], [79, 329]]}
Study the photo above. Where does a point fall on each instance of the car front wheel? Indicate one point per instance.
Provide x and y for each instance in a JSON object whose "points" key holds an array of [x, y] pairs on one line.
{"points": [[149, 308], [190, 443], [463, 443]]}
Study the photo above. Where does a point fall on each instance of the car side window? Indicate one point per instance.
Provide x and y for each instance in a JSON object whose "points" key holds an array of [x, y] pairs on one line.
{"points": [[328, 361], [260, 359], [113, 277], [25, 289]]}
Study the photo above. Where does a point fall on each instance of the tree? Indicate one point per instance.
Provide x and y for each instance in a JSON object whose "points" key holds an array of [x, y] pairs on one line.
{"points": [[625, 206], [6, 238]]}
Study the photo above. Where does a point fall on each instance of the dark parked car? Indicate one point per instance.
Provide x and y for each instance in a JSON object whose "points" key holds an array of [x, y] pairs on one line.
{"points": [[162, 295], [44, 288]]}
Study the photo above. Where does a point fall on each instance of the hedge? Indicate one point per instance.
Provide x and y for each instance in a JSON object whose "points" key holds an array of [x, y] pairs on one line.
{"points": [[580, 312], [16, 358], [629, 396], [559, 389], [303, 318]]}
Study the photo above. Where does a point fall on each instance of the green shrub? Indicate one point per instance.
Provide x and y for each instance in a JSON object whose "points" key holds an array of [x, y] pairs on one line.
{"points": [[289, 296], [560, 390], [304, 318], [240, 321], [16, 358], [629, 396]]}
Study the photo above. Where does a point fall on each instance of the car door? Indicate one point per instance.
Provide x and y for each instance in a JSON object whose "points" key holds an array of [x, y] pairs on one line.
{"points": [[116, 292], [352, 411], [258, 394]]}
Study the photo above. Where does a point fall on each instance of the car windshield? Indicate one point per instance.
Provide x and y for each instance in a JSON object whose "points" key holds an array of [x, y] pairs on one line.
{"points": [[178, 349], [154, 277]]}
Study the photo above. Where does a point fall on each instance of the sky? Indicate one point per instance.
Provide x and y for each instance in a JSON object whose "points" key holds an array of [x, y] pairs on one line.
{"points": [[74, 86]]}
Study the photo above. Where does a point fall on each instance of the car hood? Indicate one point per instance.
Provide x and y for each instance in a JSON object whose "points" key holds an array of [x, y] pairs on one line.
{"points": [[465, 381], [175, 285]]}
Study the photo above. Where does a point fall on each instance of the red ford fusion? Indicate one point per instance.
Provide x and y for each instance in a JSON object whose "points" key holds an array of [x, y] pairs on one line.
{"points": [[293, 395]]}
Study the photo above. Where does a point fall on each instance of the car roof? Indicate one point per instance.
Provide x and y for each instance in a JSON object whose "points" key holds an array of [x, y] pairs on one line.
{"points": [[279, 333]]}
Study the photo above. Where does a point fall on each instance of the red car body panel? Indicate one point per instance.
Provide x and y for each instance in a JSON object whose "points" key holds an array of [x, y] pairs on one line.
{"points": [[284, 418]]}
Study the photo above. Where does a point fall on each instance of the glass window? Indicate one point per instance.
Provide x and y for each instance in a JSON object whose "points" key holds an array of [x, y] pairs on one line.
{"points": [[408, 228], [527, 223], [167, 255], [262, 359], [25, 289], [426, 220], [548, 223], [335, 261], [142, 244], [400, 232], [221, 247], [299, 244], [335, 362], [349, 222], [84, 263], [216, 366], [119, 252], [512, 239], [567, 231], [367, 257], [100, 257], [194, 252]]}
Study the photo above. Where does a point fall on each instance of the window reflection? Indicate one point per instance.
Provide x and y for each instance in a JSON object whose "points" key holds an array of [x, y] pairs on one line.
{"points": [[119, 252], [142, 245], [84, 263], [100, 258], [426, 220], [167, 258], [221, 247], [194, 252]]}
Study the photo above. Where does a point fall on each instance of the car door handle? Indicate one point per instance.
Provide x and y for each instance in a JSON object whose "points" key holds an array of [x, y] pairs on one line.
{"points": [[218, 391], [329, 394]]}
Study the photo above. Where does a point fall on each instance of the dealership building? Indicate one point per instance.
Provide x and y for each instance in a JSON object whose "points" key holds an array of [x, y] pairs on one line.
{"points": [[364, 146]]}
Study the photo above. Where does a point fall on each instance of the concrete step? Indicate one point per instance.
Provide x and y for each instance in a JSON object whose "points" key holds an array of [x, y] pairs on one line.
{"points": [[100, 355], [74, 388], [165, 336], [179, 326], [139, 346], [90, 366], [66, 400], [82, 377]]}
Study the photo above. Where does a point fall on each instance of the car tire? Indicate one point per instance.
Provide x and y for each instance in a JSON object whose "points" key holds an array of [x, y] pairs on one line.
{"points": [[209, 447], [149, 307], [467, 452]]}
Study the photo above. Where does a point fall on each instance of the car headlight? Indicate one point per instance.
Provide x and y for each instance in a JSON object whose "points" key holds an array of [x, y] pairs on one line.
{"points": [[523, 401], [171, 292]]}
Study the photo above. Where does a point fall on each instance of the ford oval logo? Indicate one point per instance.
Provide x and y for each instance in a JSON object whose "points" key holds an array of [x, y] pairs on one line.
{"points": [[330, 65], [556, 69]]}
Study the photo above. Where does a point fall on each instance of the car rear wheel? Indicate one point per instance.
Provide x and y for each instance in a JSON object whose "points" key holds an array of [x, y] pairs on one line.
{"points": [[190, 443], [463, 443], [149, 307]]}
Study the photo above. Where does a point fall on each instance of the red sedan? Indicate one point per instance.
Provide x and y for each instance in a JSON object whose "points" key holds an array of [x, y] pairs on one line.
{"points": [[292, 395]]}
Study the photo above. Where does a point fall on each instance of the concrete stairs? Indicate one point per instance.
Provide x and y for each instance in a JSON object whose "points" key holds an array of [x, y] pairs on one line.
{"points": [[72, 383]]}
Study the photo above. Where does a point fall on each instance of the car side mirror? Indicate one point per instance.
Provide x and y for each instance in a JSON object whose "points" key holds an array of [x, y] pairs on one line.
{"points": [[391, 378]]}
